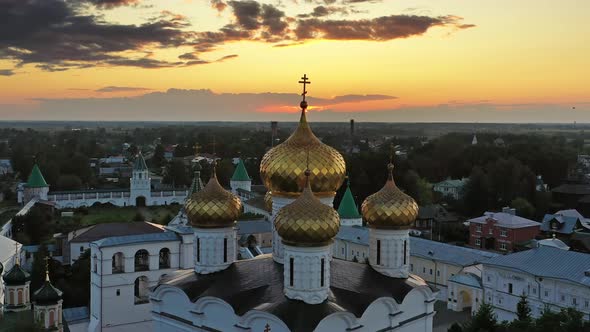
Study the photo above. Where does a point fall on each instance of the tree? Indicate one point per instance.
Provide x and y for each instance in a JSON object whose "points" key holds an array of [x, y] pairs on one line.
{"points": [[523, 311], [483, 320], [455, 328], [158, 159], [69, 182], [176, 174], [523, 207], [477, 192]]}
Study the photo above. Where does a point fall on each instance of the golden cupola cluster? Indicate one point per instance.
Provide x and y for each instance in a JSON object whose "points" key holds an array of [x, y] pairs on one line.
{"points": [[283, 166], [307, 221], [213, 207], [390, 207]]}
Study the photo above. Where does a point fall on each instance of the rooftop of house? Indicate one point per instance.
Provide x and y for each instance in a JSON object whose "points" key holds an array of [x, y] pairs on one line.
{"points": [[107, 230], [568, 221], [133, 239], [451, 183], [547, 262], [505, 219], [439, 251]]}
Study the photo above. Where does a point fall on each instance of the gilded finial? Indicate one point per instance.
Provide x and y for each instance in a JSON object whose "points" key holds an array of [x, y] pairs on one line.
{"points": [[16, 256], [46, 268], [304, 81]]}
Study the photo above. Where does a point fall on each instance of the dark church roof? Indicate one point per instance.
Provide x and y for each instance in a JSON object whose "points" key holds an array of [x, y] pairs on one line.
{"points": [[258, 284]]}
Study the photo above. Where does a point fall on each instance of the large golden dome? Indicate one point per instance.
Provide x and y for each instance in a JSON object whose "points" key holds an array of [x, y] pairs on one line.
{"points": [[390, 207], [283, 166], [213, 206], [307, 221]]}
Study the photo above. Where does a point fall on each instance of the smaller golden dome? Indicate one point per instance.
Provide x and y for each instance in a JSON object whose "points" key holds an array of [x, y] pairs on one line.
{"points": [[307, 221], [390, 207], [268, 201], [213, 207]]}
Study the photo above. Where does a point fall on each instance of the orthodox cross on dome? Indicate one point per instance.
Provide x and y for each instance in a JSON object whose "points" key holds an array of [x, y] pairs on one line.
{"points": [[46, 268], [304, 81], [391, 152], [16, 258], [267, 328]]}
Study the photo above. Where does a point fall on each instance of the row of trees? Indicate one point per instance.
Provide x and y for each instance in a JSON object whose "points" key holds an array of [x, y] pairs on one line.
{"points": [[485, 320]]}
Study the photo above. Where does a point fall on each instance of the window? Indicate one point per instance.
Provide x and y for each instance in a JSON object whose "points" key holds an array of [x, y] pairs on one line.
{"points": [[198, 250], [586, 304], [118, 292], [291, 266], [574, 301], [489, 279], [412, 267], [141, 290], [164, 259], [510, 288], [118, 263], [503, 246], [478, 228], [546, 293], [322, 274], [562, 298], [438, 273], [430, 271], [81, 249], [423, 270], [225, 250], [534, 290], [405, 252], [94, 264], [490, 231], [378, 252], [142, 260], [342, 250], [503, 233], [478, 242]]}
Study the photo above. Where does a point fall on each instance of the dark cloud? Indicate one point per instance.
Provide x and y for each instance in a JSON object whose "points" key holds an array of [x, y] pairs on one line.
{"points": [[219, 5], [227, 57], [109, 4], [57, 37], [378, 29], [121, 89], [6, 72]]}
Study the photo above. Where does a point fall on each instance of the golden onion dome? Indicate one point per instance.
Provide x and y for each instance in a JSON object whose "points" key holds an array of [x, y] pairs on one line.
{"points": [[307, 221], [283, 166], [390, 207], [213, 206], [268, 201]]}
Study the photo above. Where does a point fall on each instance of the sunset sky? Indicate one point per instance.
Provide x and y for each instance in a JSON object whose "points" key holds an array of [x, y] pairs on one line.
{"points": [[372, 60]]}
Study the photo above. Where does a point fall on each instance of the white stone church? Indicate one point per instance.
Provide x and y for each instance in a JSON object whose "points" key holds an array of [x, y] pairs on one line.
{"points": [[138, 194], [189, 278]]}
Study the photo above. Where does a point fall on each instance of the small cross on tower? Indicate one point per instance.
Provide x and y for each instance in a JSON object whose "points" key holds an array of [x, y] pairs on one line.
{"points": [[267, 328], [46, 267], [304, 81]]}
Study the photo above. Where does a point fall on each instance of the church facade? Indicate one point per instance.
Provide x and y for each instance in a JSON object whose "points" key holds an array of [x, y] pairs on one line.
{"points": [[299, 287]]}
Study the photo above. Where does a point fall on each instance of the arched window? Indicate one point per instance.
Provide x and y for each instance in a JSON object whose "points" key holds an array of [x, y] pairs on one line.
{"points": [[19, 297], [94, 264], [11, 297], [51, 318], [141, 290], [142, 260], [118, 263], [164, 258]]}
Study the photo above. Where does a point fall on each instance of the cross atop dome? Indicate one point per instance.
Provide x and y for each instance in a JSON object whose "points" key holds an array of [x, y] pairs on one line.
{"points": [[305, 81]]}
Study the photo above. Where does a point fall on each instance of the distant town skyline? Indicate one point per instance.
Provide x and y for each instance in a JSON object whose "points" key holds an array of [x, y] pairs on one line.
{"points": [[371, 60]]}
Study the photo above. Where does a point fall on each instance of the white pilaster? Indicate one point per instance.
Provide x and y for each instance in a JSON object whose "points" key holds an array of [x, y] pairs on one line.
{"points": [[49, 315], [389, 251], [214, 249], [278, 202], [304, 279]]}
